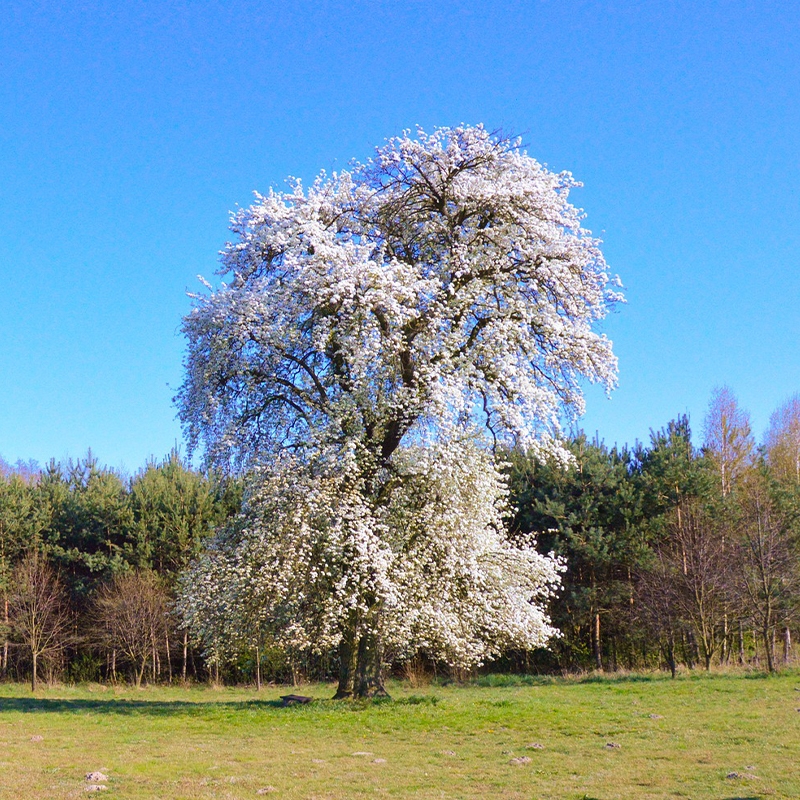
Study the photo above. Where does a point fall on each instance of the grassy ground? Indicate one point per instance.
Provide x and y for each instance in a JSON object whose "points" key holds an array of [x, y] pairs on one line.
{"points": [[681, 738]]}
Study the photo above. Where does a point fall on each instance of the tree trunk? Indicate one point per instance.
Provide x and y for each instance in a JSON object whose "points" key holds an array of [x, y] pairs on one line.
{"points": [[169, 658], [598, 656], [787, 645], [369, 667], [347, 664], [725, 649], [258, 668], [194, 663], [185, 653], [673, 667], [695, 648], [5, 643], [156, 665], [361, 662], [140, 672], [741, 643], [768, 648], [33, 671]]}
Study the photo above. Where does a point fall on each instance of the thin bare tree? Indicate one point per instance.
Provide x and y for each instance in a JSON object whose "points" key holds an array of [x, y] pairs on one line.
{"points": [[728, 439], [687, 589], [768, 564], [39, 615], [783, 441], [657, 605], [133, 620]]}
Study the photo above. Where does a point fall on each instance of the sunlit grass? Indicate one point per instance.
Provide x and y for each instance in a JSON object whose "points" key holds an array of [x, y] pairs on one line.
{"points": [[676, 739]]}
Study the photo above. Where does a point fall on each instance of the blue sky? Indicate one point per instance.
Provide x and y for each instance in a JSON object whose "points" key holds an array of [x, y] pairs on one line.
{"points": [[128, 132]]}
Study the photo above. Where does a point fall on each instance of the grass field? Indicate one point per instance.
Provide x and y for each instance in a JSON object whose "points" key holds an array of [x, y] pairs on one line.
{"points": [[681, 738]]}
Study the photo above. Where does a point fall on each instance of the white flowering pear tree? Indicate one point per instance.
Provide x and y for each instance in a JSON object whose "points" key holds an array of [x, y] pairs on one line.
{"points": [[382, 329]]}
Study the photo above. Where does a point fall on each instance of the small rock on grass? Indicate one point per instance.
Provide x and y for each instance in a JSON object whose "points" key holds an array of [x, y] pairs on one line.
{"points": [[612, 745], [534, 746], [520, 760], [96, 777], [656, 716], [37, 738], [743, 775], [378, 760], [266, 790], [362, 753], [96, 787], [448, 752]]}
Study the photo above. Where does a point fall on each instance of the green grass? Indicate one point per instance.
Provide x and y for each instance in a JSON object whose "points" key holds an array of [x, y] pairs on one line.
{"points": [[437, 742]]}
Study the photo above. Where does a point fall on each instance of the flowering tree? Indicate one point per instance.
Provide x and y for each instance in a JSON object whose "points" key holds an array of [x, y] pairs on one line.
{"points": [[377, 327]]}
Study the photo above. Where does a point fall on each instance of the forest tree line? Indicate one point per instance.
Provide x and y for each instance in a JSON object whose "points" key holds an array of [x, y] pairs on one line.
{"points": [[674, 555], [90, 563]]}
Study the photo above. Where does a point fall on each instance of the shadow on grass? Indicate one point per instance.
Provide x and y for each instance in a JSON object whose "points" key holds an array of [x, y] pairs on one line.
{"points": [[167, 708], [496, 681], [500, 681], [156, 708]]}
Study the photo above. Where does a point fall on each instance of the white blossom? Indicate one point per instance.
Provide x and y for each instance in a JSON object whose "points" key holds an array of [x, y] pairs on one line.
{"points": [[381, 330]]}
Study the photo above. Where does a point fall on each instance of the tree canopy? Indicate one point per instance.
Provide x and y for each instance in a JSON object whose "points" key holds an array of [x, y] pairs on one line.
{"points": [[449, 276]]}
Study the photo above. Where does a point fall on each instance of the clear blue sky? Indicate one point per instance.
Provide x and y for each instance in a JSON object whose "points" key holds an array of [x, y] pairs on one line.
{"points": [[129, 130]]}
